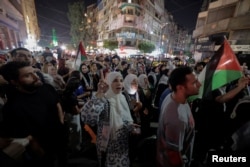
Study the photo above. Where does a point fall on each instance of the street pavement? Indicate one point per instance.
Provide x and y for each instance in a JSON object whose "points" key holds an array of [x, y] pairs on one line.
{"points": [[87, 156]]}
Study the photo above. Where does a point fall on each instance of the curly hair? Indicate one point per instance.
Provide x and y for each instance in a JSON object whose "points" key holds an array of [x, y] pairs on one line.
{"points": [[10, 71]]}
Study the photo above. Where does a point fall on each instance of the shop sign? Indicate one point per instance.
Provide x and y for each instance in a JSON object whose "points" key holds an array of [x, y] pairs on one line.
{"points": [[130, 35], [237, 48]]}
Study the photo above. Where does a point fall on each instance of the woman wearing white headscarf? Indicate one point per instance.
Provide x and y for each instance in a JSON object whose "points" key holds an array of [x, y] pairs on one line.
{"points": [[132, 96], [146, 99], [143, 82], [135, 106], [110, 111]]}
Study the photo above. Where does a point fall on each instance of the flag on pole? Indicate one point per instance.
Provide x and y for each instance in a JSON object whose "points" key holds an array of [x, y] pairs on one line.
{"points": [[222, 69], [80, 56]]}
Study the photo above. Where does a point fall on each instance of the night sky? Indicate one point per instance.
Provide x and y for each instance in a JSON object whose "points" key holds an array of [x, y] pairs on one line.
{"points": [[53, 14], [185, 12]]}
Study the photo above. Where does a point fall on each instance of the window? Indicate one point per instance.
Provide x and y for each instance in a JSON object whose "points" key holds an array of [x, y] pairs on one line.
{"points": [[220, 14], [128, 43], [123, 11], [130, 11], [1, 11], [11, 18], [137, 12], [135, 1], [156, 15], [129, 20]]}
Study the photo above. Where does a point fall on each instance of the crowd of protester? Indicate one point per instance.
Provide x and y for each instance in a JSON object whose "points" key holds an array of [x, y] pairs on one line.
{"points": [[129, 110]]}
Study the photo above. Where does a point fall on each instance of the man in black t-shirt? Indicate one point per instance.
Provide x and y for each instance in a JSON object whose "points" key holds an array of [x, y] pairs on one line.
{"points": [[34, 110], [47, 55]]}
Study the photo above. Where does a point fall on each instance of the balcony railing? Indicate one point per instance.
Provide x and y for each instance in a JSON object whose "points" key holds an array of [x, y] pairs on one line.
{"points": [[212, 28], [8, 22], [123, 4], [129, 24]]}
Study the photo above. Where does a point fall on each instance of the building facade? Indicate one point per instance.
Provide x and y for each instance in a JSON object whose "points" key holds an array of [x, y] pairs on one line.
{"points": [[12, 27], [130, 22], [225, 18], [31, 23], [17, 22]]}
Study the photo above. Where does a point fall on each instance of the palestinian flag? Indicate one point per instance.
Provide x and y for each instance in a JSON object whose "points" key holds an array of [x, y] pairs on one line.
{"points": [[222, 69], [80, 56]]}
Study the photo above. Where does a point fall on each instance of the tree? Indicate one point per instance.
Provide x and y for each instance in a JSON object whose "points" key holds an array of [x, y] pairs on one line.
{"points": [[111, 45], [78, 21], [146, 47]]}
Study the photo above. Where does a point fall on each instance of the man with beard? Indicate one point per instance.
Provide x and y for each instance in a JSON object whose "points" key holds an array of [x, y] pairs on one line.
{"points": [[175, 135], [33, 111], [23, 54]]}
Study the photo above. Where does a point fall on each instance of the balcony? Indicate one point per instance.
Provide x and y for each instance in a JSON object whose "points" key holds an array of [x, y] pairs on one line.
{"points": [[221, 3], [129, 20], [129, 24], [225, 25], [8, 22], [217, 27], [212, 28], [240, 22], [124, 4]]}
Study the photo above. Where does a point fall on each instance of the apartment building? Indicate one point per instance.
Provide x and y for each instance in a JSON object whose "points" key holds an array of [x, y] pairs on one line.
{"points": [[12, 28], [91, 36], [18, 23], [130, 22], [224, 18], [31, 23]]}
